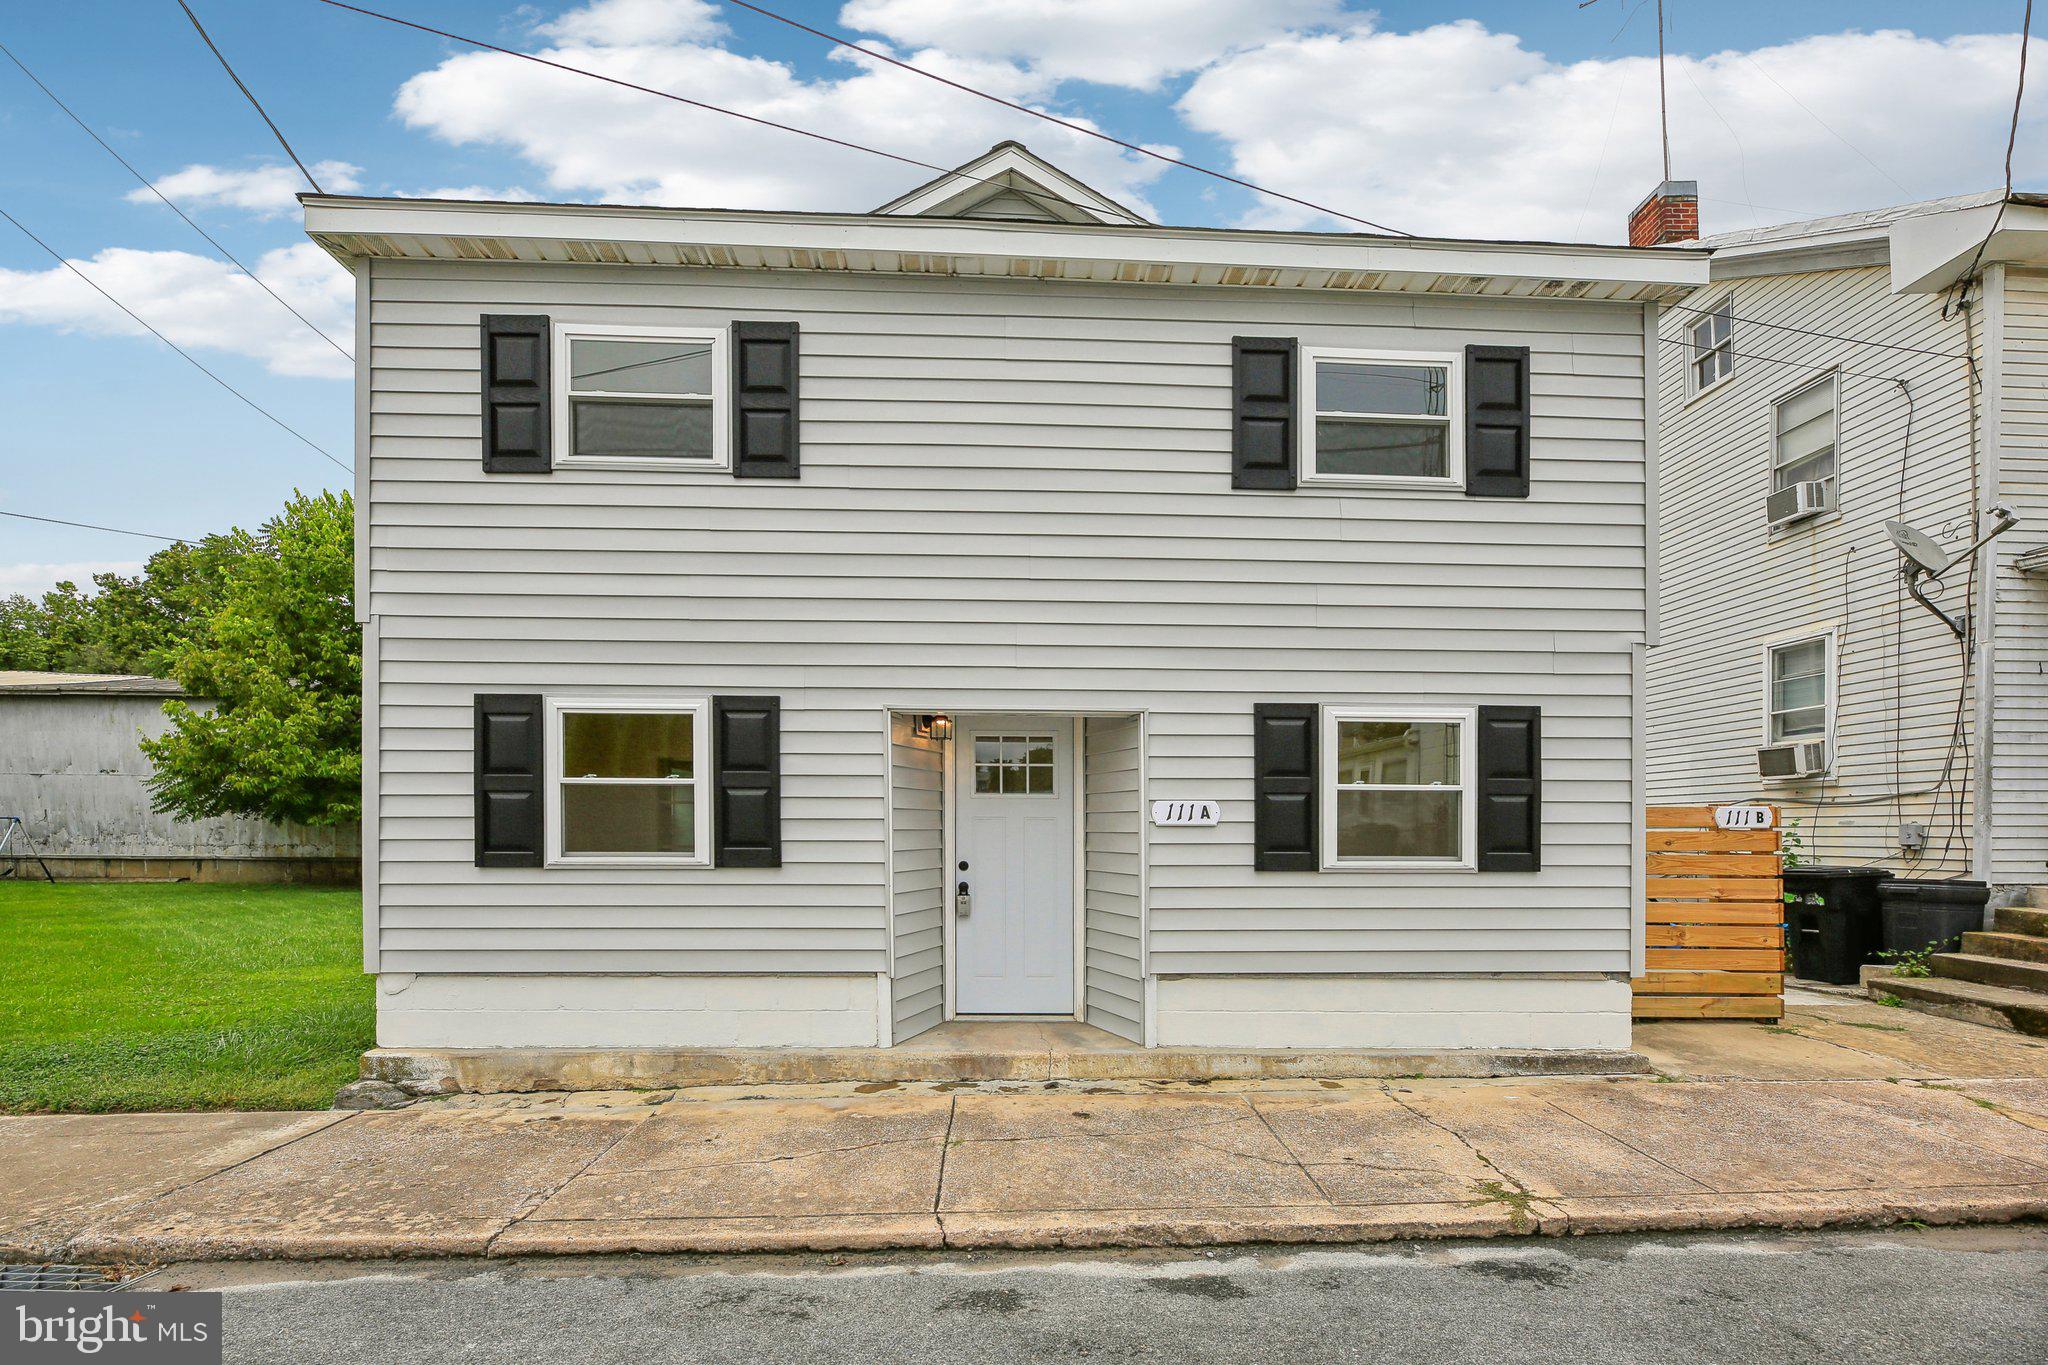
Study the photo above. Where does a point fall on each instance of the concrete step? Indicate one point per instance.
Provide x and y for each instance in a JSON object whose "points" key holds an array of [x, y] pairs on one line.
{"points": [[2020, 919], [2015, 947], [2037, 897], [1995, 1006], [1991, 971]]}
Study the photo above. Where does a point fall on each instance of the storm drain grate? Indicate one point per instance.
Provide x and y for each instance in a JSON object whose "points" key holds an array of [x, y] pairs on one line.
{"points": [[23, 1277]]}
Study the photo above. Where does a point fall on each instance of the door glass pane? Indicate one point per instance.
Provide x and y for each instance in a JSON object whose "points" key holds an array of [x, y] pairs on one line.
{"points": [[1013, 765], [1404, 390], [1399, 824], [1395, 450], [1424, 753], [677, 366], [607, 744], [613, 429], [629, 818]]}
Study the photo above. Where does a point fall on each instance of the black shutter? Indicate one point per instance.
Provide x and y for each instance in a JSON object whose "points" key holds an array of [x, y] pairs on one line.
{"points": [[764, 391], [517, 426], [1510, 789], [1265, 412], [1285, 818], [747, 781], [1497, 421], [509, 819]]}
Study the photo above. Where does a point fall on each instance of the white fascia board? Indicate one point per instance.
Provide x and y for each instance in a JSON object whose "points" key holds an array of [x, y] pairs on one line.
{"points": [[427, 230], [1931, 252]]}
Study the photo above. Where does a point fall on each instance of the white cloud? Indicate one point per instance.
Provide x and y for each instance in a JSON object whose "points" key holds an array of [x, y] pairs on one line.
{"points": [[36, 579], [511, 194], [622, 23], [592, 139], [271, 191], [1134, 43], [1456, 130], [198, 302]]}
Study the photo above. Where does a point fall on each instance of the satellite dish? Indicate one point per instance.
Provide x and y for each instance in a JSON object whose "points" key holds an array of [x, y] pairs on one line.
{"points": [[1919, 547]]}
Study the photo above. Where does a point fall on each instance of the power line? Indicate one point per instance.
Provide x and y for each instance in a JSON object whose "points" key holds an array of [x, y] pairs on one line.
{"points": [[2012, 138], [695, 104], [1068, 124], [88, 526], [1807, 331], [1780, 360], [1825, 124], [251, 96], [60, 259], [151, 187]]}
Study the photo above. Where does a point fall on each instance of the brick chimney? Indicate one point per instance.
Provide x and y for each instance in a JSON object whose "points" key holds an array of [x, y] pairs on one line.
{"points": [[1670, 214]]}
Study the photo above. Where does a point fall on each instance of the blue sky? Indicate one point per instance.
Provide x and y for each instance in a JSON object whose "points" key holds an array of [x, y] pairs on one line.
{"points": [[1525, 119]]}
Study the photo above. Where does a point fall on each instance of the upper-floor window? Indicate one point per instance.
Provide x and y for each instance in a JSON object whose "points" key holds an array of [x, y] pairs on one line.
{"points": [[1385, 417], [1398, 788], [623, 782], [1803, 426], [1796, 699], [640, 398], [1713, 345]]}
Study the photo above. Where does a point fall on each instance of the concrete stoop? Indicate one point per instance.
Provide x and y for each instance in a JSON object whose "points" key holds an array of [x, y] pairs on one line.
{"points": [[1973, 1002], [440, 1071]]}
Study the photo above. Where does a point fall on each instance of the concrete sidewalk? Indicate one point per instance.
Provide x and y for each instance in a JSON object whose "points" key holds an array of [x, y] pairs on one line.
{"points": [[1846, 1114]]}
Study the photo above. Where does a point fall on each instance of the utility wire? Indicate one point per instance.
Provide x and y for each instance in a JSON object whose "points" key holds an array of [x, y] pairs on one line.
{"points": [[1780, 360], [2012, 138], [88, 526], [251, 96], [61, 260], [1809, 332], [151, 187], [695, 104], [1068, 124], [1825, 124]]}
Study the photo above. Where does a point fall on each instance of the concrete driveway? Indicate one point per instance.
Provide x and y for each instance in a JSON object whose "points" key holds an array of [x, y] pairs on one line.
{"points": [[1847, 1113]]}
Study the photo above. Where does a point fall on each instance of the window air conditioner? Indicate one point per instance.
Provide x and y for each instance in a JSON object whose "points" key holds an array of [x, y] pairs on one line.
{"points": [[1798, 502], [1789, 762]]}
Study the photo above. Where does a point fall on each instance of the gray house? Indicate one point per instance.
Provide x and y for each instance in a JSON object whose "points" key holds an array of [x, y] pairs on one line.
{"points": [[807, 628], [1835, 375]]}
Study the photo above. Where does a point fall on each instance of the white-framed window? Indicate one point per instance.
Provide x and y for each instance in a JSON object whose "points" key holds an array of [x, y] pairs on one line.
{"points": [[1804, 428], [1014, 765], [1384, 417], [1398, 788], [640, 397], [1798, 689], [1712, 334], [624, 781]]}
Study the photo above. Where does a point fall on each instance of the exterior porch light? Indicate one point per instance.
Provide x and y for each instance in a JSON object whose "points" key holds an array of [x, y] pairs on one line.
{"points": [[939, 728]]}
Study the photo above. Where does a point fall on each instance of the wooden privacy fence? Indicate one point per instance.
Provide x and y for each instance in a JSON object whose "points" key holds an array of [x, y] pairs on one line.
{"points": [[1716, 919]]}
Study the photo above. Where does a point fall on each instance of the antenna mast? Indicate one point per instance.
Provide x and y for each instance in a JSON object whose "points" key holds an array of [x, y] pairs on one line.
{"points": [[1663, 107]]}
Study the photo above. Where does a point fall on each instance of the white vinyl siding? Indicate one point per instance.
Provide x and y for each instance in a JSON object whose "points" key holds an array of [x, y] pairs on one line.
{"points": [[1015, 497], [1113, 834], [1731, 588], [2019, 738], [917, 879]]}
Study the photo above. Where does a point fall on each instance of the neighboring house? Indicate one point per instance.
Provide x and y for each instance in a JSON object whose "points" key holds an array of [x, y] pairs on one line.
{"points": [[1833, 376], [779, 624], [72, 769]]}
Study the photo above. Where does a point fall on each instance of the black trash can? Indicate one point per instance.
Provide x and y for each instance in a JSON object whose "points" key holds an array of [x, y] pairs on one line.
{"points": [[1931, 915], [1832, 920]]}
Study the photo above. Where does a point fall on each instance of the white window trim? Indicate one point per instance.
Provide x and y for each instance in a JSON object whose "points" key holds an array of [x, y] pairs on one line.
{"points": [[1453, 363], [1833, 378], [1692, 352], [1467, 718], [1830, 667], [700, 767], [562, 333]]}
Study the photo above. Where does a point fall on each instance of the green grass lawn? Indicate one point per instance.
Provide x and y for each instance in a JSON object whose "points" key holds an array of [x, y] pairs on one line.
{"points": [[178, 996]]}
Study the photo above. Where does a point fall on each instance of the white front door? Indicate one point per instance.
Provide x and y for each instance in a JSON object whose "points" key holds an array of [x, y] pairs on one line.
{"points": [[1013, 947]]}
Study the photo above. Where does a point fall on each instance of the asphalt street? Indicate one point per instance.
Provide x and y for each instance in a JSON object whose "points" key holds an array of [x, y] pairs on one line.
{"points": [[1937, 1295]]}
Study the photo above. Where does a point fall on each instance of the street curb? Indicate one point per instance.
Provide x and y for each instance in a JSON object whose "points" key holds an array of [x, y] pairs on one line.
{"points": [[1120, 1228]]}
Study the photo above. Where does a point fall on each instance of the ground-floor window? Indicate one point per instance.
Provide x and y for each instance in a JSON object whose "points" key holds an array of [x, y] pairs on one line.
{"points": [[1398, 788], [623, 782], [1796, 699]]}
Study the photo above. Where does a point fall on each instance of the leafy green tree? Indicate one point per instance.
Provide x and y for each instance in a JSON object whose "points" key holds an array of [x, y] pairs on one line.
{"points": [[277, 651], [126, 625]]}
